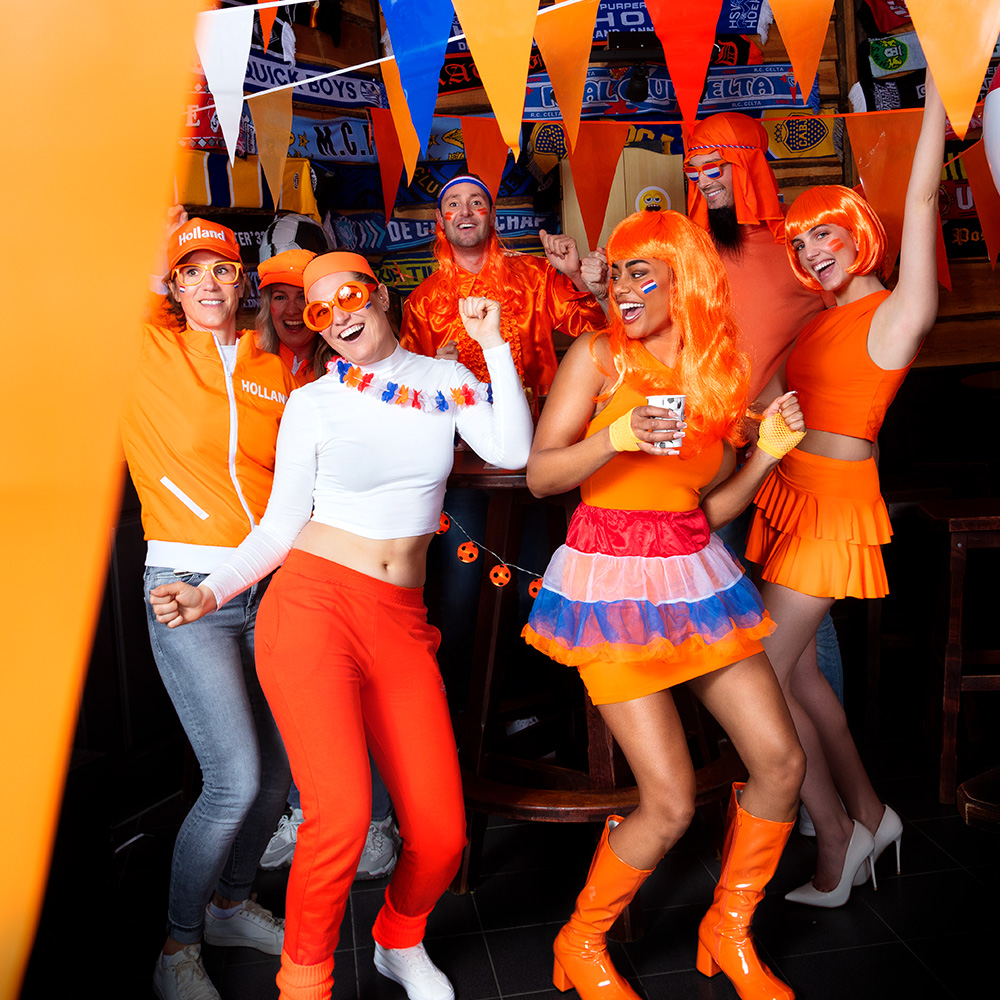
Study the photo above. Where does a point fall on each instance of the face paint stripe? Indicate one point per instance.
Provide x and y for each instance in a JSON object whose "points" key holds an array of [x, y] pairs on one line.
{"points": [[836, 244], [647, 286]]}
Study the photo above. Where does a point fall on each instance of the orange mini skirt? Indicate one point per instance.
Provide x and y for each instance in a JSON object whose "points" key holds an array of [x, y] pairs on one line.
{"points": [[819, 527]]}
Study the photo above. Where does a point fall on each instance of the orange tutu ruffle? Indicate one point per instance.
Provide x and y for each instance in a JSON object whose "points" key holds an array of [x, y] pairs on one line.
{"points": [[819, 527]]}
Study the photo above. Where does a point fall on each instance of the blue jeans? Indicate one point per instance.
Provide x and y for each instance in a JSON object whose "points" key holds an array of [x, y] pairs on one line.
{"points": [[208, 670]]}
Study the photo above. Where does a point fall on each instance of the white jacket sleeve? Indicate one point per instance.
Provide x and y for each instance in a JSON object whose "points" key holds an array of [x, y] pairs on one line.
{"points": [[501, 434]]}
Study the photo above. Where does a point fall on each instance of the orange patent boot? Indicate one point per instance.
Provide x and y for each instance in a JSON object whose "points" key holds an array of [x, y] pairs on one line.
{"points": [[304, 982], [581, 954], [749, 857]]}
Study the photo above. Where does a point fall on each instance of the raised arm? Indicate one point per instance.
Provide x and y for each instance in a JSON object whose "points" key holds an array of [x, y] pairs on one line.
{"points": [[561, 457], [907, 315]]}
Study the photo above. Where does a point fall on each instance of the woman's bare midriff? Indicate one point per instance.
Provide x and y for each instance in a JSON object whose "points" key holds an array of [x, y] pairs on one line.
{"points": [[839, 446], [399, 561]]}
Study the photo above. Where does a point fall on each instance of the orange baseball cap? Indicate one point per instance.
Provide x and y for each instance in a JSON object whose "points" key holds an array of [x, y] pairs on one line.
{"points": [[284, 268], [331, 263], [199, 234]]}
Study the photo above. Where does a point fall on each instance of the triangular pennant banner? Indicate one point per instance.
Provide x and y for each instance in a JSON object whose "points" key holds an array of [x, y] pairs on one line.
{"points": [[593, 163], [406, 135], [803, 25], [985, 197], [390, 157], [499, 37], [957, 38], [485, 150], [687, 34], [419, 34], [883, 145], [272, 121], [267, 16], [564, 36], [223, 41]]}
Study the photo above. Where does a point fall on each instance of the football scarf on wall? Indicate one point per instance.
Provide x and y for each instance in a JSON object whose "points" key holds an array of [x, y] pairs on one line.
{"points": [[265, 71], [895, 54], [791, 138]]}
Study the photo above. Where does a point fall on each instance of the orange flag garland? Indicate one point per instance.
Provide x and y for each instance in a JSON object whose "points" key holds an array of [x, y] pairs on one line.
{"points": [[985, 197], [267, 16], [272, 121], [564, 38], [803, 26], [593, 163], [687, 34], [499, 36], [957, 38], [485, 150], [406, 134], [390, 156]]}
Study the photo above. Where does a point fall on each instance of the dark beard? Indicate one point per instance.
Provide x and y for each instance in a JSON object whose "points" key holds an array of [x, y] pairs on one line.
{"points": [[727, 233]]}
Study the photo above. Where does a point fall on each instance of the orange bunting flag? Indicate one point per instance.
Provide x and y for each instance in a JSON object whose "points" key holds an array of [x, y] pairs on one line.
{"points": [[390, 157], [883, 143], [499, 37], [485, 150], [957, 38], [267, 16], [984, 196], [687, 34], [272, 122], [593, 163], [564, 36], [406, 134], [803, 26]]}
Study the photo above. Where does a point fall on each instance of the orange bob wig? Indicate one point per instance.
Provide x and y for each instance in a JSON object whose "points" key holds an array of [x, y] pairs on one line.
{"points": [[710, 368], [832, 204]]}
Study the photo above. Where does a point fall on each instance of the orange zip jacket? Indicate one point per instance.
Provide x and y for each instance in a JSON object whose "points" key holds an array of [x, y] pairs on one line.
{"points": [[200, 443]]}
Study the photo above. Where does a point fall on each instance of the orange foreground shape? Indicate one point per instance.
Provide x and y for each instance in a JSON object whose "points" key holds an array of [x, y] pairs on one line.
{"points": [[119, 72]]}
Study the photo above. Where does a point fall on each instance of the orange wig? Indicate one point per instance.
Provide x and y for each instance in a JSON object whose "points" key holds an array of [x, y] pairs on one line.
{"points": [[711, 370], [833, 204]]}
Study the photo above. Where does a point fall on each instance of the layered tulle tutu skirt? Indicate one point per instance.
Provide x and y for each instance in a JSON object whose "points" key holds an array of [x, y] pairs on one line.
{"points": [[819, 527], [642, 600]]}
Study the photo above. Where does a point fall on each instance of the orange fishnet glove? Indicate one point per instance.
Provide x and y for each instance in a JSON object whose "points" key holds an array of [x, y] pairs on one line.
{"points": [[622, 436], [775, 437]]}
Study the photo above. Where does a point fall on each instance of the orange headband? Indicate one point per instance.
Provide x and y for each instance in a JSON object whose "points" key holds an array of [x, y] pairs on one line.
{"points": [[741, 141], [331, 263]]}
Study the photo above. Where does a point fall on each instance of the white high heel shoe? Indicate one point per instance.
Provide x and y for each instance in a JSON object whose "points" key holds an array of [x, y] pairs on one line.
{"points": [[890, 828], [859, 851]]}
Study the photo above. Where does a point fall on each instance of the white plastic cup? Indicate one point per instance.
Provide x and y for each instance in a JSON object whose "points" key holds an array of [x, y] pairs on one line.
{"points": [[675, 403]]}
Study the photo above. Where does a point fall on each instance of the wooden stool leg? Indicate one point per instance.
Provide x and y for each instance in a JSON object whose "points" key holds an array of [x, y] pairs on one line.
{"points": [[952, 681], [472, 854]]}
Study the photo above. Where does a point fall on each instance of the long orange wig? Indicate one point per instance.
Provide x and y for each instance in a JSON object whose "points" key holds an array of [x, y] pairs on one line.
{"points": [[833, 204], [711, 370]]}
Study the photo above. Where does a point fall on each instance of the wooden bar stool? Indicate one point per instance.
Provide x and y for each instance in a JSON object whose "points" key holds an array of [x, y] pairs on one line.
{"points": [[971, 524]]}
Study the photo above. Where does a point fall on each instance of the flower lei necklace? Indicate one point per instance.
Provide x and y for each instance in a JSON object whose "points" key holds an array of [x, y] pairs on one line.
{"points": [[403, 395]]}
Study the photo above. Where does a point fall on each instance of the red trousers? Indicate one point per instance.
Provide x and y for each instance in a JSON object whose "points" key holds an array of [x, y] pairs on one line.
{"points": [[347, 663]]}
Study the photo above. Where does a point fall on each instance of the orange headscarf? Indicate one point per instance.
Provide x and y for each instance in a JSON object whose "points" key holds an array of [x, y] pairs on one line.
{"points": [[741, 141]]}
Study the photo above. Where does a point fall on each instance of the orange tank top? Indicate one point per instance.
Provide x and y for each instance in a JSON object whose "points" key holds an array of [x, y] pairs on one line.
{"points": [[840, 388], [633, 480]]}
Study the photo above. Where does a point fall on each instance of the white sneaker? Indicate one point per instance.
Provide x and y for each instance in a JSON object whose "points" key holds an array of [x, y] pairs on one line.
{"points": [[249, 927], [381, 847], [414, 971], [278, 853], [183, 977]]}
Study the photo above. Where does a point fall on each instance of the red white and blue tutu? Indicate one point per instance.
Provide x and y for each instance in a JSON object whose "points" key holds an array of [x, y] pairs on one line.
{"points": [[642, 600]]}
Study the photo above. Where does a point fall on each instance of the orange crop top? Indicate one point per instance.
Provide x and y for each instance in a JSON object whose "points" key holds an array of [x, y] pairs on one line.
{"points": [[840, 388], [633, 480]]}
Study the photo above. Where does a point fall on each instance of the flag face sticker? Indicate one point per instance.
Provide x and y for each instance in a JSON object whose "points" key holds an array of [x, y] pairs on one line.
{"points": [[647, 286]]}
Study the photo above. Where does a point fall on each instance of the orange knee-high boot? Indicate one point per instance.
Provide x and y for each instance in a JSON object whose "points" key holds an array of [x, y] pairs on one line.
{"points": [[750, 856], [581, 953], [304, 982]]}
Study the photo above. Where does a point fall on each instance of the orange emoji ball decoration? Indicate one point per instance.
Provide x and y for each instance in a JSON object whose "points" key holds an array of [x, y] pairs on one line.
{"points": [[468, 552], [535, 587], [500, 576], [444, 524]]}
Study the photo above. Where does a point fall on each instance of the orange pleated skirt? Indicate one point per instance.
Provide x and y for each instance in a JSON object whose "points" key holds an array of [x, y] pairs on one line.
{"points": [[819, 527]]}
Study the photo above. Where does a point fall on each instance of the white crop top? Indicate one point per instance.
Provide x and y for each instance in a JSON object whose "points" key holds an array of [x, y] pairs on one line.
{"points": [[348, 459]]}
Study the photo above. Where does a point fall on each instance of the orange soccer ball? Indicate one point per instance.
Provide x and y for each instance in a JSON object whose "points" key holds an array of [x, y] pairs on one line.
{"points": [[500, 576], [468, 552], [444, 524]]}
